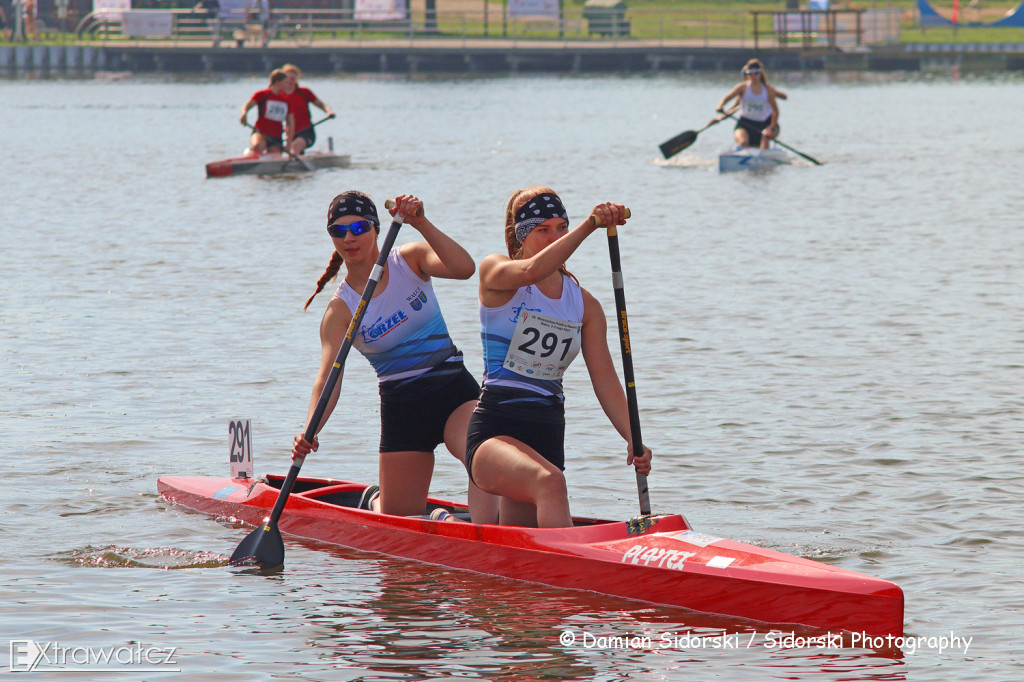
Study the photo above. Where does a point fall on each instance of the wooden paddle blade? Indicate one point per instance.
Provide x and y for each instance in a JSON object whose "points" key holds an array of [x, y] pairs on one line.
{"points": [[264, 547], [678, 143]]}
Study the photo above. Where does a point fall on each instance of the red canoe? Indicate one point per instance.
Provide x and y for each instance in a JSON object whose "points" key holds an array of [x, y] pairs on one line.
{"points": [[657, 559], [273, 164]]}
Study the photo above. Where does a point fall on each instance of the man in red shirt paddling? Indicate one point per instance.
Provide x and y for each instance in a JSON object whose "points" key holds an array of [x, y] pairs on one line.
{"points": [[299, 100], [275, 116]]}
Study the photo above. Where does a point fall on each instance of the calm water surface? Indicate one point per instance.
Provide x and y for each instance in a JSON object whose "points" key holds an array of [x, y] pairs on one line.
{"points": [[828, 363]]}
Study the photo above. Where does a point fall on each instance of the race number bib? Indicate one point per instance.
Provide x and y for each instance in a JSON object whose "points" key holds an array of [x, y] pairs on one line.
{"points": [[756, 109], [542, 346], [276, 110]]}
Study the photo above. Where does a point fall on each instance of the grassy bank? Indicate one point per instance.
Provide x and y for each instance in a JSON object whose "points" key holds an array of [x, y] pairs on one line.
{"points": [[711, 23]]}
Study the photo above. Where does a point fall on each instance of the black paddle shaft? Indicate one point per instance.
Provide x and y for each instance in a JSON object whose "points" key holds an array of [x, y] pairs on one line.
{"points": [[686, 138], [627, 366], [301, 161], [268, 534], [783, 144], [339, 362]]}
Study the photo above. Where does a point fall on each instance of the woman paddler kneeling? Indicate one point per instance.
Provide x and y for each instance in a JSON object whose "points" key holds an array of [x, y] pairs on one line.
{"points": [[274, 120], [535, 319], [426, 394]]}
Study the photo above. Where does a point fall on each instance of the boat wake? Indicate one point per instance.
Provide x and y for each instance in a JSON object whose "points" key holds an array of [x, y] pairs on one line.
{"points": [[165, 558], [684, 161]]}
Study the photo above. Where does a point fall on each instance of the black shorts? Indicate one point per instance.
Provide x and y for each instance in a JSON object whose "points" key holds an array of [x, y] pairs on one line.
{"points": [[542, 429], [753, 129], [307, 134], [272, 141], [413, 416]]}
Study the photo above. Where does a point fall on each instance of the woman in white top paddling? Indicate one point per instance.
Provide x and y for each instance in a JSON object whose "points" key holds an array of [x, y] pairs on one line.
{"points": [[535, 318], [758, 124], [426, 394]]}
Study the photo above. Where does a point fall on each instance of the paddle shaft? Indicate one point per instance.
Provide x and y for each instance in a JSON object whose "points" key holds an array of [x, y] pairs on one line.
{"points": [[685, 139], [783, 144], [339, 362], [636, 440], [305, 162], [325, 118]]}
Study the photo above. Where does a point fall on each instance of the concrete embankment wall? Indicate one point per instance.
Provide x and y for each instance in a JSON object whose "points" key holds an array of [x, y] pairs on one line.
{"points": [[84, 59]]}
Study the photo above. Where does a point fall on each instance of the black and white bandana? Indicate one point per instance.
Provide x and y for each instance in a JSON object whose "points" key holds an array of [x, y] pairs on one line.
{"points": [[351, 203], [536, 211]]}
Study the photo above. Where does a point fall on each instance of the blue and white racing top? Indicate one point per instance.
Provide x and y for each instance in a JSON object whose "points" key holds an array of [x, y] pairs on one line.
{"points": [[530, 341], [403, 333]]}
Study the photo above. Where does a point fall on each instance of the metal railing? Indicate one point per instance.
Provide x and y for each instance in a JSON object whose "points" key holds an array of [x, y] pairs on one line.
{"points": [[809, 28], [319, 26], [326, 27]]}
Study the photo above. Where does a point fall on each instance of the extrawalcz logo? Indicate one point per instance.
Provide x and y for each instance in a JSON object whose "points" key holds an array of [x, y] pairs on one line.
{"points": [[27, 655]]}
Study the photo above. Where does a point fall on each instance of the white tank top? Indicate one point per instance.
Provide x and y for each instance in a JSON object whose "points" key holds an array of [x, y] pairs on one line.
{"points": [[531, 340], [403, 334], [756, 107]]}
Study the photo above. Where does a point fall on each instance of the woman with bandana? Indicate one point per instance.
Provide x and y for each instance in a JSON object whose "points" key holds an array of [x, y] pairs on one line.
{"points": [[535, 318], [758, 124], [426, 394]]}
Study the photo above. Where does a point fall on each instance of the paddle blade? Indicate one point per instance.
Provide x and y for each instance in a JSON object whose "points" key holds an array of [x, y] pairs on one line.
{"points": [[264, 547], [678, 143]]}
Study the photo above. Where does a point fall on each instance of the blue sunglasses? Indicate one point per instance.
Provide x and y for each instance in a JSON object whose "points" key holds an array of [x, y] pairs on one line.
{"points": [[357, 228]]}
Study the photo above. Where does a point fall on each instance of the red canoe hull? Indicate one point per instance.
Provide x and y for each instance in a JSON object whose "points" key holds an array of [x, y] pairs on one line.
{"points": [[274, 164], [658, 559]]}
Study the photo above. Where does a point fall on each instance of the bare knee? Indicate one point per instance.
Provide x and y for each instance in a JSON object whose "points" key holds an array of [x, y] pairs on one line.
{"points": [[550, 485]]}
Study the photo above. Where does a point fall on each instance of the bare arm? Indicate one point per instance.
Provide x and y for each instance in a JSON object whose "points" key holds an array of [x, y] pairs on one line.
{"points": [[289, 129], [245, 110], [440, 255], [603, 377], [333, 328], [326, 109], [736, 93], [773, 124], [499, 274]]}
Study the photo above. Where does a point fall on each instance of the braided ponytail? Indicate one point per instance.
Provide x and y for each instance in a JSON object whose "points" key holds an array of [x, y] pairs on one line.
{"points": [[330, 273]]}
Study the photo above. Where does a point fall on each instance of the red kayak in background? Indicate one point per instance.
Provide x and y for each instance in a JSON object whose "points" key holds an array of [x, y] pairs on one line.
{"points": [[275, 164], [657, 559]]}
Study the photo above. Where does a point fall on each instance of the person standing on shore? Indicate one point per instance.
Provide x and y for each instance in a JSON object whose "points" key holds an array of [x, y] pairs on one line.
{"points": [[758, 124], [299, 99]]}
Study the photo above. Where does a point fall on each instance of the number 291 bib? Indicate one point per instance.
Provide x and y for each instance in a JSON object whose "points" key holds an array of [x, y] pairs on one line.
{"points": [[542, 346]]}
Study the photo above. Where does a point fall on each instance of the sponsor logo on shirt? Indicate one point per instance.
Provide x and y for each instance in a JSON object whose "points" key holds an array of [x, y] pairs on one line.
{"points": [[418, 298], [519, 310], [382, 327]]}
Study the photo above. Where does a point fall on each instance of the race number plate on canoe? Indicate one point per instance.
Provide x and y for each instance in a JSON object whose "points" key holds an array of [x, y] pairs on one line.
{"points": [[543, 346], [240, 438]]}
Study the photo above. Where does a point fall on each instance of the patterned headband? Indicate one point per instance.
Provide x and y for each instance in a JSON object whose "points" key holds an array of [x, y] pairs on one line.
{"points": [[542, 207], [352, 204]]}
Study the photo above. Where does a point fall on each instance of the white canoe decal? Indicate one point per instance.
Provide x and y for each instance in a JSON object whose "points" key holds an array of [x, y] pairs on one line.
{"points": [[692, 537], [656, 556]]}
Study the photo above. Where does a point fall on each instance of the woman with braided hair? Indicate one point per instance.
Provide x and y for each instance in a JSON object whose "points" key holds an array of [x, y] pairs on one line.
{"points": [[535, 318], [426, 394]]}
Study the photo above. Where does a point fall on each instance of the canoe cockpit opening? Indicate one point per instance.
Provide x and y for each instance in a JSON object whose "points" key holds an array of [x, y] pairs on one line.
{"points": [[344, 494]]}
